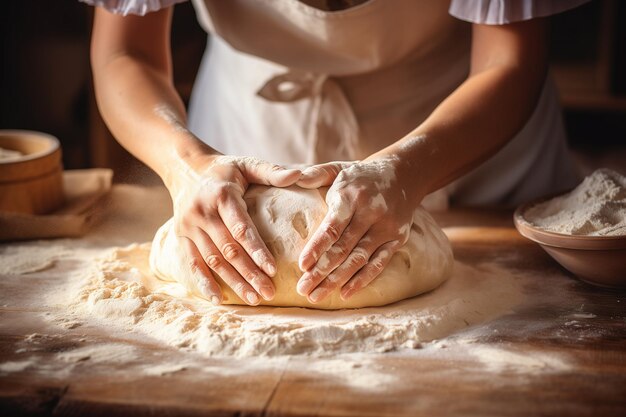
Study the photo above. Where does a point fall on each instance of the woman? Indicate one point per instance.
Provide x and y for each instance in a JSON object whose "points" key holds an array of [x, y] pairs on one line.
{"points": [[408, 93]]}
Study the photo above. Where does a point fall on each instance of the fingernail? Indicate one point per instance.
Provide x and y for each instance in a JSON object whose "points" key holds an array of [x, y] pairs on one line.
{"points": [[306, 263], [203, 286], [303, 284], [267, 292], [269, 269], [252, 297], [215, 300], [286, 173], [346, 293], [317, 295], [307, 175]]}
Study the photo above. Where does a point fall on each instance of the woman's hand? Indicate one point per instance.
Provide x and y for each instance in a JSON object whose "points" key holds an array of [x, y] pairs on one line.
{"points": [[369, 218], [213, 227]]}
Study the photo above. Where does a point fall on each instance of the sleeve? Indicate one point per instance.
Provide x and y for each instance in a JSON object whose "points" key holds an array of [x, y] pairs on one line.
{"points": [[137, 7], [500, 12]]}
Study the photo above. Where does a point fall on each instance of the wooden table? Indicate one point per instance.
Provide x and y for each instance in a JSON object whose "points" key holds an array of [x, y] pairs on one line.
{"points": [[440, 379]]}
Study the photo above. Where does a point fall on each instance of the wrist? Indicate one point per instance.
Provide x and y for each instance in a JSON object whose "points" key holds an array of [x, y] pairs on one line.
{"points": [[410, 168], [188, 160], [412, 179]]}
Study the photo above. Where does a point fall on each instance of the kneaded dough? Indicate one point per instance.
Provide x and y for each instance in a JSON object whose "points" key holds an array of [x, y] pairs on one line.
{"points": [[286, 218]]}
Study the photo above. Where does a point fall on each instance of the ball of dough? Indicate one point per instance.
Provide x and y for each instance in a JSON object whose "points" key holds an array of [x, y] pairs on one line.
{"points": [[286, 218]]}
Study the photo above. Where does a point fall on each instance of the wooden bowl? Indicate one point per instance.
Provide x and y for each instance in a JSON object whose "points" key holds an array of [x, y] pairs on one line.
{"points": [[33, 182], [598, 260]]}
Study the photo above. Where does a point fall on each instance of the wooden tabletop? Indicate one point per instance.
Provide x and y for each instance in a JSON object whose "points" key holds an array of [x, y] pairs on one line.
{"points": [[585, 330]]}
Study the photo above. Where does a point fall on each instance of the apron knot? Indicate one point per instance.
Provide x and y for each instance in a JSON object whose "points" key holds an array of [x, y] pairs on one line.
{"points": [[333, 130]]}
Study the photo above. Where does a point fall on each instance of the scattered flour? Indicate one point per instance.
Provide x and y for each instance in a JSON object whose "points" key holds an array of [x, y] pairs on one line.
{"points": [[120, 291], [527, 362], [101, 353], [360, 373], [110, 314], [597, 207], [26, 258], [164, 369], [16, 366]]}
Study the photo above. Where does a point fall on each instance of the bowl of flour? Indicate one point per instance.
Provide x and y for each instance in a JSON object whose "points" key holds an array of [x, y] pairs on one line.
{"points": [[584, 229]]}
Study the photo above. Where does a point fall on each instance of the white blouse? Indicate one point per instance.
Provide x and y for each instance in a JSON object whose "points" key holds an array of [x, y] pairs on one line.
{"points": [[490, 12], [137, 7], [500, 12]]}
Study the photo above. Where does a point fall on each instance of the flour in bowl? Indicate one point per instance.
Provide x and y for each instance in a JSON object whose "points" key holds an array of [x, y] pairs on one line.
{"points": [[597, 207], [7, 155]]}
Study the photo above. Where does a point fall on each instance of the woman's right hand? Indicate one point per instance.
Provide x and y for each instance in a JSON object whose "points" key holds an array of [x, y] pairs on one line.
{"points": [[214, 229]]}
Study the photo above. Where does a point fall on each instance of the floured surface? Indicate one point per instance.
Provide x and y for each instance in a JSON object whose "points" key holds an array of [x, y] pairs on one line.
{"points": [[85, 309], [120, 291]]}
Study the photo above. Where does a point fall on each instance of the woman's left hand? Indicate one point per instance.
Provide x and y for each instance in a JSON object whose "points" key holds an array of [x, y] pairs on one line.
{"points": [[369, 218]]}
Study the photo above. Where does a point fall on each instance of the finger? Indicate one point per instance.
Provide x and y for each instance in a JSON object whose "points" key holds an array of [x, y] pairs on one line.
{"points": [[357, 259], [321, 175], [376, 264], [328, 232], [200, 273], [216, 262], [340, 212], [239, 259], [332, 258], [236, 218], [260, 172]]}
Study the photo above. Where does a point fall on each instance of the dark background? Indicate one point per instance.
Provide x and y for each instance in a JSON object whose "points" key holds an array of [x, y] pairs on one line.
{"points": [[45, 81]]}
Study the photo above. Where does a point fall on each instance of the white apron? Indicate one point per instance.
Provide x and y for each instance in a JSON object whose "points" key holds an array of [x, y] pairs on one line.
{"points": [[289, 83]]}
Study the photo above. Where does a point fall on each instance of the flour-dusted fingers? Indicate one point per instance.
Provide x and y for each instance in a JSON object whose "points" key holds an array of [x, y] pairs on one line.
{"points": [[376, 264], [239, 259], [321, 175], [333, 257], [230, 277], [257, 171], [216, 262], [356, 260], [341, 209], [235, 216], [328, 232], [199, 271]]}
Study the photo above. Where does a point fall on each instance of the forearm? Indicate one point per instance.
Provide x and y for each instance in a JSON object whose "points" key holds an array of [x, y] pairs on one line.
{"points": [[508, 70], [146, 115], [472, 124], [132, 70]]}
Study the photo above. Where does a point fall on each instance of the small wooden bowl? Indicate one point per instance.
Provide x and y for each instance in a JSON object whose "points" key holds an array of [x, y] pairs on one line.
{"points": [[598, 260], [31, 183]]}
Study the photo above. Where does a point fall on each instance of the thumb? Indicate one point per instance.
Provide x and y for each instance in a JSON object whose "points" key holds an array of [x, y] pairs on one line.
{"points": [[321, 175], [261, 172]]}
